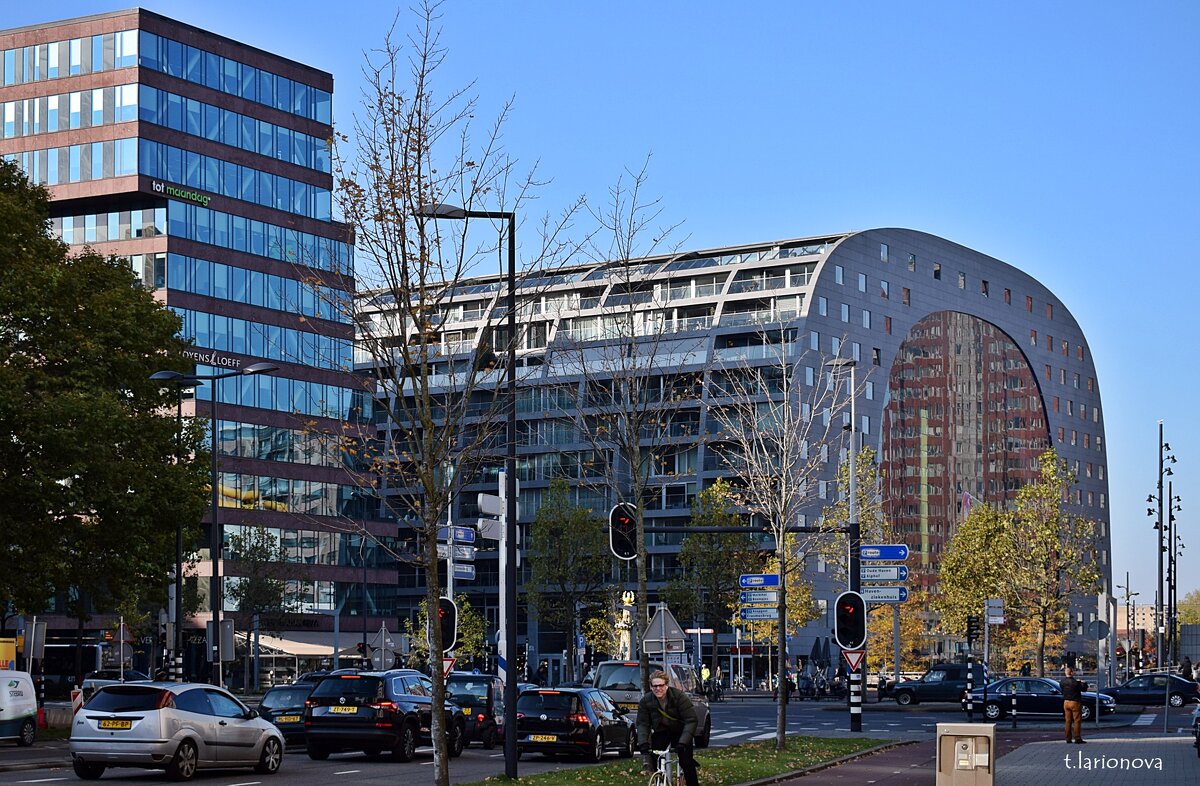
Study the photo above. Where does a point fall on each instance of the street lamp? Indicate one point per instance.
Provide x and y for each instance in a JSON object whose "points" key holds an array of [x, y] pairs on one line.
{"points": [[509, 610], [1164, 457], [1129, 596], [855, 579], [216, 539], [180, 381]]}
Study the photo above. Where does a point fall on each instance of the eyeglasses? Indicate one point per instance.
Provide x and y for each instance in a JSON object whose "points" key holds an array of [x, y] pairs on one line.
{"points": [[658, 685]]}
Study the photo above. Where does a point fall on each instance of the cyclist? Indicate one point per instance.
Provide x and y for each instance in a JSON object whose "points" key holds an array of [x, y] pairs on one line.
{"points": [[666, 717]]}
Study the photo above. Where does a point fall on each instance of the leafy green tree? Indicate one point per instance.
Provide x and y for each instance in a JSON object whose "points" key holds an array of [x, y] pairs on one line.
{"points": [[707, 589], [92, 491], [472, 629], [569, 562], [1189, 608]]}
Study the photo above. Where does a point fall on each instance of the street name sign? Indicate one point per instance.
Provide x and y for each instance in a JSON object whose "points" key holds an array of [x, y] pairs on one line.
{"points": [[884, 594], [759, 596], [464, 570], [760, 613], [461, 534], [461, 552], [759, 580], [883, 572], [883, 552]]}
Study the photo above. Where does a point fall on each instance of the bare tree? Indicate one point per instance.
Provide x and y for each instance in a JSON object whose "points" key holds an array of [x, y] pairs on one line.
{"points": [[425, 323], [779, 413]]}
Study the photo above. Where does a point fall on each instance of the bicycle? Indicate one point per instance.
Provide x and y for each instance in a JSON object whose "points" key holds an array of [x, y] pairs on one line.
{"points": [[669, 773]]}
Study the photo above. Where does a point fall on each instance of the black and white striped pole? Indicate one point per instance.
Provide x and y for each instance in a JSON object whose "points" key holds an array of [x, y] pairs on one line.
{"points": [[850, 632]]}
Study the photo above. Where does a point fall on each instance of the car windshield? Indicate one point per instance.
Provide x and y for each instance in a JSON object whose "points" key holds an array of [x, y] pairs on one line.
{"points": [[125, 698], [618, 676], [280, 698], [552, 704], [356, 687], [468, 690]]}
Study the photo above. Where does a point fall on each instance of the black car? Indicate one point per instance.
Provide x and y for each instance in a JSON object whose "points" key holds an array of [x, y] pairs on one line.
{"points": [[1035, 696], [580, 721], [481, 697], [1151, 689], [283, 705], [374, 711], [943, 682]]}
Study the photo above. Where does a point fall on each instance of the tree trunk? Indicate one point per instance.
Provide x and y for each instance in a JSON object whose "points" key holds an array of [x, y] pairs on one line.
{"points": [[781, 645], [1041, 646]]}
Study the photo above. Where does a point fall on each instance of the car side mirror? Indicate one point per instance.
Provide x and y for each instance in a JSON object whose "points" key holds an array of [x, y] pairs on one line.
{"points": [[251, 714]]}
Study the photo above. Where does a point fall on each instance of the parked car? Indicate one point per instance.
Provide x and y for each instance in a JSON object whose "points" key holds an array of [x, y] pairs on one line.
{"points": [[1035, 696], [283, 705], [1150, 689], [622, 680], [943, 682], [18, 707], [481, 697], [374, 711], [578, 721], [174, 726], [105, 677]]}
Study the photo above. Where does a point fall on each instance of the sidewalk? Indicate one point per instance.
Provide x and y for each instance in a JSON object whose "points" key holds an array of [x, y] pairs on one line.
{"points": [[1028, 760]]}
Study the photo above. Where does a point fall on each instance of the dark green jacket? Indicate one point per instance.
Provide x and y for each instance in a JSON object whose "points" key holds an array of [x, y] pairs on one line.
{"points": [[679, 717]]}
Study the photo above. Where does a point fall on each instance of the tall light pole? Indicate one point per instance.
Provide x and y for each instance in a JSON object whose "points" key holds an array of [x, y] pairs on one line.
{"points": [[216, 536], [1129, 596], [1173, 546], [1164, 458], [854, 568], [509, 612], [180, 381]]}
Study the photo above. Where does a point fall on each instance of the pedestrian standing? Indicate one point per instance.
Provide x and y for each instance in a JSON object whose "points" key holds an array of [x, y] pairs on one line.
{"points": [[1072, 692], [1185, 668]]}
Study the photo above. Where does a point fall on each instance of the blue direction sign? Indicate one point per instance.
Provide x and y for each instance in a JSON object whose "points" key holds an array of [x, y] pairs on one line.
{"points": [[461, 534], [759, 580], [760, 613], [464, 570], [879, 552], [874, 594], [883, 572], [759, 596]]}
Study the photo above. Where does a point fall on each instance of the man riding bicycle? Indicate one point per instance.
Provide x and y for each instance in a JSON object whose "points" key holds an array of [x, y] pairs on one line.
{"points": [[666, 717]]}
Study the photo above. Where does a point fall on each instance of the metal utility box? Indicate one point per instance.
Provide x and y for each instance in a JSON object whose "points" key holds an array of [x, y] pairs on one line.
{"points": [[966, 754]]}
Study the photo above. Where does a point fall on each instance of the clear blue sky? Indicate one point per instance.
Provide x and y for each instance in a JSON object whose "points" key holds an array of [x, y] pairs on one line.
{"points": [[1059, 137]]}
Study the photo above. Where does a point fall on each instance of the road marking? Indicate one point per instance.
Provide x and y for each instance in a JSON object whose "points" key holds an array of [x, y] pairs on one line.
{"points": [[347, 772], [1145, 719], [43, 780], [247, 783], [729, 734], [763, 737]]}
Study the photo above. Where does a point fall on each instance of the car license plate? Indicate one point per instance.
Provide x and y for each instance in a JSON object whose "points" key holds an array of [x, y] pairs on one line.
{"points": [[288, 719], [343, 710], [116, 724], [466, 710], [543, 738], [627, 706]]}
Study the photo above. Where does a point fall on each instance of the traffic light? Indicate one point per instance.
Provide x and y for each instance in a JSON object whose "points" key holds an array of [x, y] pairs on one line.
{"points": [[972, 628], [850, 621], [1120, 651], [622, 531], [448, 620], [362, 649]]}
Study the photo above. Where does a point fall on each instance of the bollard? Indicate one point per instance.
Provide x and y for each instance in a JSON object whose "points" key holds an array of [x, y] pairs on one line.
{"points": [[1014, 710]]}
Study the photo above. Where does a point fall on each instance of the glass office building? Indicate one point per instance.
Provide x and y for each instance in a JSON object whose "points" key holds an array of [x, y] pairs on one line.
{"points": [[206, 163]]}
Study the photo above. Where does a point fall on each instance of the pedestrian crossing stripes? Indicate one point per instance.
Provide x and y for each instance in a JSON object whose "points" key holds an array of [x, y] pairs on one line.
{"points": [[1145, 719]]}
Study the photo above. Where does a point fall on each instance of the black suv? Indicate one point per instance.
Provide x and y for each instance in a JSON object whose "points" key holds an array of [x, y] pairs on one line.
{"points": [[943, 682], [481, 697], [376, 711]]}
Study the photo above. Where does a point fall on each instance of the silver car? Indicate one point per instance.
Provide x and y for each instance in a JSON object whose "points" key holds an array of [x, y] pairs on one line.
{"points": [[172, 726]]}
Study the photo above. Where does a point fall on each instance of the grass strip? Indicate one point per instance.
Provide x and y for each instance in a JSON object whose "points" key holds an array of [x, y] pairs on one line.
{"points": [[727, 766]]}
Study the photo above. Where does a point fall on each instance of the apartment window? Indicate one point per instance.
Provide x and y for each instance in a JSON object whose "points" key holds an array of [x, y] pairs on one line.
{"points": [[1049, 311], [1007, 296], [883, 252], [1103, 504], [862, 282], [1033, 338], [866, 321], [1062, 376], [1075, 381], [962, 280], [810, 376], [884, 289], [1074, 437], [1091, 384], [905, 296], [887, 325], [1099, 442], [1079, 351], [839, 274], [1056, 403], [937, 271], [823, 306], [1061, 432], [869, 390], [1066, 348], [912, 262], [1029, 303], [1099, 467], [835, 345], [983, 288], [875, 356], [1049, 343], [814, 341], [845, 312]]}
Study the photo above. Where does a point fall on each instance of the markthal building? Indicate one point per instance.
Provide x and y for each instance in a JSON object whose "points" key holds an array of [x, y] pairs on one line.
{"points": [[968, 370]]}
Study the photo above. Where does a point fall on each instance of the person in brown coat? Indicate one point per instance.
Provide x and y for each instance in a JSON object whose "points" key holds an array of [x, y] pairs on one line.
{"points": [[1072, 691]]}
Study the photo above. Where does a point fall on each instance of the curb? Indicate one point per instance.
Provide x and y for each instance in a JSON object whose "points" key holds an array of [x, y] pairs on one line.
{"points": [[784, 776]]}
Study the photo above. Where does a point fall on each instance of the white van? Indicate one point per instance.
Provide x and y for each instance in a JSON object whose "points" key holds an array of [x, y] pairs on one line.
{"points": [[18, 707]]}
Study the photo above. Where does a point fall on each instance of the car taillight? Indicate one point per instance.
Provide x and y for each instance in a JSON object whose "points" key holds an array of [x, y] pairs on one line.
{"points": [[480, 718], [385, 705], [520, 715], [579, 717], [309, 703], [165, 697]]}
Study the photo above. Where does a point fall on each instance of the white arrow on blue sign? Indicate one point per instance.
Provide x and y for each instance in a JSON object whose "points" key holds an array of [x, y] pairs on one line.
{"points": [[760, 613], [884, 552], [875, 594], [464, 570], [759, 580], [759, 596], [883, 572]]}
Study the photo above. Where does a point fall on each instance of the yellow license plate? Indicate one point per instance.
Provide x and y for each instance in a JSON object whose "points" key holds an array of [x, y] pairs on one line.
{"points": [[626, 706], [116, 724], [543, 738], [466, 710], [343, 710], [288, 719]]}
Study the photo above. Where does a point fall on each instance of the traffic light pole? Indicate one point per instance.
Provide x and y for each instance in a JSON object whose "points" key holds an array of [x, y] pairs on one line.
{"points": [[856, 675]]}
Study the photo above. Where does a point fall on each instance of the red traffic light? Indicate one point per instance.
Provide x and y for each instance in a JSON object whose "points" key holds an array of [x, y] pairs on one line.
{"points": [[622, 531], [850, 621], [447, 615]]}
